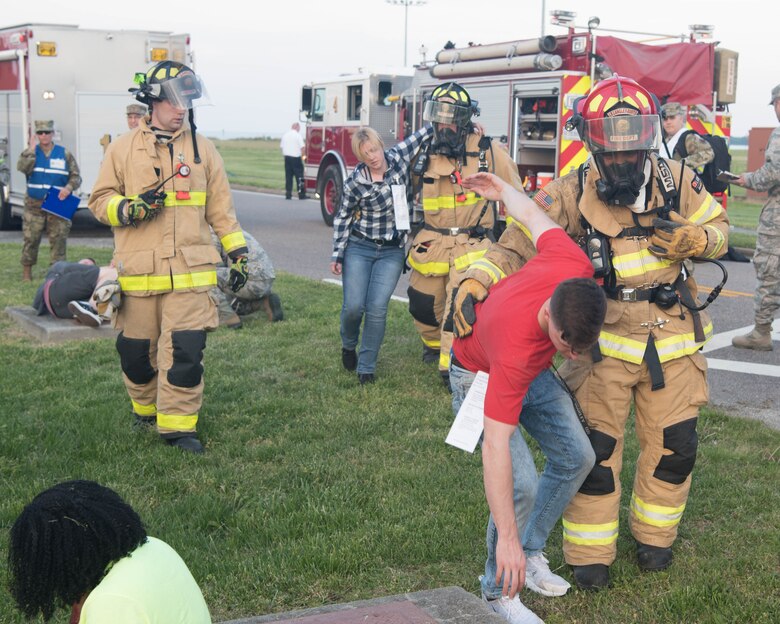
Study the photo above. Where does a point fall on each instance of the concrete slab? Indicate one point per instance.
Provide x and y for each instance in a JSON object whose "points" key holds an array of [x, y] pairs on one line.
{"points": [[450, 605], [49, 329]]}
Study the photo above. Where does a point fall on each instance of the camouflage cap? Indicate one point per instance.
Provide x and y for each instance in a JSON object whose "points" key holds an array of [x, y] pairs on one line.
{"points": [[44, 126], [136, 109], [672, 109], [775, 95]]}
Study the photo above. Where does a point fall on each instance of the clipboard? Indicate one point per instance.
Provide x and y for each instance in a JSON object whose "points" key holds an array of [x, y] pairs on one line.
{"points": [[63, 208]]}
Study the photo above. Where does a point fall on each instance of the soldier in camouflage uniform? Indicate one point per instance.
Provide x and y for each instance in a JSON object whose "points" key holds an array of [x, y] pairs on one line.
{"points": [[698, 151], [767, 256], [256, 295], [46, 165]]}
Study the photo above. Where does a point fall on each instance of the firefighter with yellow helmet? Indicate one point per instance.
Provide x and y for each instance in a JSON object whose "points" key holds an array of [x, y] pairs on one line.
{"points": [[160, 187], [638, 217], [457, 222]]}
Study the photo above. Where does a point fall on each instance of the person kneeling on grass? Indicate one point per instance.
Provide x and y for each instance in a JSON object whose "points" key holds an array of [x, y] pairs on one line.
{"points": [[551, 304], [79, 545]]}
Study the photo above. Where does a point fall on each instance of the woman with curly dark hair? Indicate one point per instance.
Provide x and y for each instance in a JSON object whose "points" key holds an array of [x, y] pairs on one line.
{"points": [[79, 545]]}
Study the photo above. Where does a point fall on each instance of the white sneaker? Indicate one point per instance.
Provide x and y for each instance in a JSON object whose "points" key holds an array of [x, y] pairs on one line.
{"points": [[512, 610], [539, 579], [84, 313]]}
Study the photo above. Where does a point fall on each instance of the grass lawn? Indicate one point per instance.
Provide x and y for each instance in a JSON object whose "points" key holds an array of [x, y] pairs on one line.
{"points": [[253, 162], [314, 490]]}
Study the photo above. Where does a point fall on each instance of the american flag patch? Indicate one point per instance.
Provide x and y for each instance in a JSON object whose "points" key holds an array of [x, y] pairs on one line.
{"points": [[543, 199]]}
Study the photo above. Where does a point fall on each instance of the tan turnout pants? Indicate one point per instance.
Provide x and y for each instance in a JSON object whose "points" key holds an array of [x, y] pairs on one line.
{"points": [[666, 431], [161, 350]]}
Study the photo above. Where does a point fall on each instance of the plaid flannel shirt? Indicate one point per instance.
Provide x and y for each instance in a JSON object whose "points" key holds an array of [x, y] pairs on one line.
{"points": [[372, 202]]}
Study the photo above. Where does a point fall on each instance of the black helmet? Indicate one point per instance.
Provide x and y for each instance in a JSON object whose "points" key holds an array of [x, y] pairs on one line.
{"points": [[169, 80], [450, 105]]}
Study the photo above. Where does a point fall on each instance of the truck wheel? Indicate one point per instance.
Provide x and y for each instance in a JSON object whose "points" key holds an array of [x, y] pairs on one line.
{"points": [[330, 195], [7, 221]]}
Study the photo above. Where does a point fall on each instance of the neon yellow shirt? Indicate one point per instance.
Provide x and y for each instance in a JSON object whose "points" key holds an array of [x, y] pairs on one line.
{"points": [[152, 585]]}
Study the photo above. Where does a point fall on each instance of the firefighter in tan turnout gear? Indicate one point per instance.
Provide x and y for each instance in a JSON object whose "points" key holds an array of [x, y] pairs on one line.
{"points": [[456, 221], [638, 216], [160, 187]]}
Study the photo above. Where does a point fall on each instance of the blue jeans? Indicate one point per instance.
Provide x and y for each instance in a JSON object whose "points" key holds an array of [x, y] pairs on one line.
{"points": [[370, 274], [548, 416]]}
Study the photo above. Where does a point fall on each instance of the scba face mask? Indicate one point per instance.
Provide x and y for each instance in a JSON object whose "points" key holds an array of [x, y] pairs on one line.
{"points": [[621, 179]]}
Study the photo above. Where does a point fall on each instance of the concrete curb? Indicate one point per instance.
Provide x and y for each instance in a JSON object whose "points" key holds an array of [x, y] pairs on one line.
{"points": [[49, 329], [450, 605]]}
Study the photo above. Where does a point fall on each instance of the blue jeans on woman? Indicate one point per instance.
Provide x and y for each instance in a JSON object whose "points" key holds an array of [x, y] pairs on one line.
{"points": [[370, 273], [548, 416]]}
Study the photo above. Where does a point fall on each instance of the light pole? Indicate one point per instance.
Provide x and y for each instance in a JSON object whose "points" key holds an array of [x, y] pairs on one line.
{"points": [[406, 4]]}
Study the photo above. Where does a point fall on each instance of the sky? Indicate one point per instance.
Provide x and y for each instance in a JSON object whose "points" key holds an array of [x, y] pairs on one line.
{"points": [[255, 56]]}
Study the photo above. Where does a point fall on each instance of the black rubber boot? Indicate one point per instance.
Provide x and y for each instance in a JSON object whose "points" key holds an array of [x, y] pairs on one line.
{"points": [[348, 359], [591, 577], [653, 558], [275, 306], [430, 355], [144, 423], [190, 444]]}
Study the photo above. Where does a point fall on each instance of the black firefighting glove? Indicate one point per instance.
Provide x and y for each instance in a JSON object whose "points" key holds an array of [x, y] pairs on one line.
{"points": [[239, 273], [143, 208], [677, 238], [469, 292]]}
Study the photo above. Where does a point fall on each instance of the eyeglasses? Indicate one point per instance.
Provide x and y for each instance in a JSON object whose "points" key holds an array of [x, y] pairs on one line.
{"points": [[44, 131]]}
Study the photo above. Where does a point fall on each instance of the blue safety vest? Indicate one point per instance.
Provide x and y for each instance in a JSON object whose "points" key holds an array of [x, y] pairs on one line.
{"points": [[51, 170]]}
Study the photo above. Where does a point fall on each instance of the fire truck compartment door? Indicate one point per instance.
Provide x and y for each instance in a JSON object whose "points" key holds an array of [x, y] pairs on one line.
{"points": [[97, 114]]}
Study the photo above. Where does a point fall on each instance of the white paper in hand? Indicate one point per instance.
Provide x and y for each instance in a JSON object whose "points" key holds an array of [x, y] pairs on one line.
{"points": [[470, 420], [400, 207]]}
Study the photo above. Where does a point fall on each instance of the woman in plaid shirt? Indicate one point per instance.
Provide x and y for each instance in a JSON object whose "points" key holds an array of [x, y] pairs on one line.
{"points": [[368, 248]]}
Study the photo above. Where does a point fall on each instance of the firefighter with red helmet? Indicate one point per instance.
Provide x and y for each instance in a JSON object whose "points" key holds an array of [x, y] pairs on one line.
{"points": [[457, 222], [160, 187], [638, 217]]}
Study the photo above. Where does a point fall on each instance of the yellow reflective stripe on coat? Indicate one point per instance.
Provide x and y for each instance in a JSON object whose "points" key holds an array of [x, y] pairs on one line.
{"points": [[466, 260], [163, 283], [449, 202], [112, 210], [590, 534], [494, 271], [138, 283], [708, 210], [195, 280], [713, 232], [430, 268], [622, 348], [638, 263], [177, 422], [523, 229], [196, 198], [444, 360], [655, 515], [671, 348], [233, 241], [682, 344], [144, 410]]}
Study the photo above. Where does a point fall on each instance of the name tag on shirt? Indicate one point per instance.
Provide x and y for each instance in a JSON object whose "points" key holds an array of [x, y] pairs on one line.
{"points": [[57, 163], [400, 207], [470, 420]]}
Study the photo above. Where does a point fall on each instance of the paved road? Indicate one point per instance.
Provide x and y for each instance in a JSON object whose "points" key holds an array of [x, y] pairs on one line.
{"points": [[742, 382]]}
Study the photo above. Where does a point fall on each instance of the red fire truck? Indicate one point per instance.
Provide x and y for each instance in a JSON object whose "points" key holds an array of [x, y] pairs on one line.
{"points": [[525, 90]]}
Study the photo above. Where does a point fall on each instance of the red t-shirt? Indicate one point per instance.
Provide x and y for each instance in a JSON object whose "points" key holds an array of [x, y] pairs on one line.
{"points": [[507, 341]]}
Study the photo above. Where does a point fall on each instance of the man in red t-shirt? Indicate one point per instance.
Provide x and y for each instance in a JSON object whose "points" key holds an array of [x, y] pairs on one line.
{"points": [[551, 304]]}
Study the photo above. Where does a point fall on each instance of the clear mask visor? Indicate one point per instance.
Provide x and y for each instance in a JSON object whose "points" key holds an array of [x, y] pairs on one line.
{"points": [[623, 134], [446, 113], [185, 91]]}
